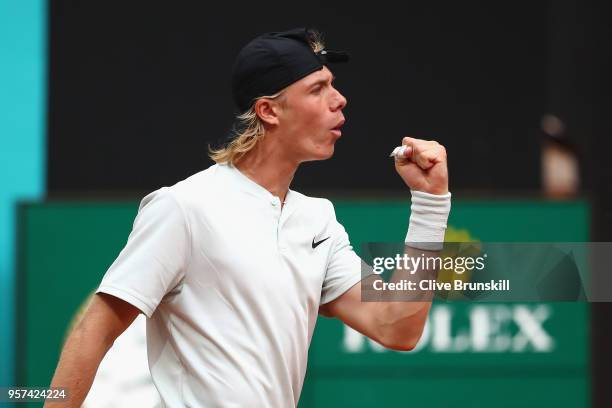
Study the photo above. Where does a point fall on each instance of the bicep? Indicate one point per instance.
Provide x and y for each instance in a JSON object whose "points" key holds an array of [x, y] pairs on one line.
{"points": [[107, 317], [348, 308]]}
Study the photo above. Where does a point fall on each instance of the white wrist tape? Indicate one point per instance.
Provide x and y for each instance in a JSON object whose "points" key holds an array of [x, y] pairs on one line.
{"points": [[428, 216]]}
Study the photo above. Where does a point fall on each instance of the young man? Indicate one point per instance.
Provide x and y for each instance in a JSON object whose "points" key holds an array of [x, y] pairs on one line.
{"points": [[232, 267]]}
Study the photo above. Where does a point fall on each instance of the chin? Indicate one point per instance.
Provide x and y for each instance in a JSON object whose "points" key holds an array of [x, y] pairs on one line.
{"points": [[331, 153], [327, 154], [321, 155], [319, 151]]}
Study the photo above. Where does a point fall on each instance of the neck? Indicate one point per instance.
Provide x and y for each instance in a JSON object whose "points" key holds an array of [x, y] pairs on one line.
{"points": [[268, 165]]}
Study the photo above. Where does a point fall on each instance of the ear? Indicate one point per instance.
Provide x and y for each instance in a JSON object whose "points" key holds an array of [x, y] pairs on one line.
{"points": [[267, 110]]}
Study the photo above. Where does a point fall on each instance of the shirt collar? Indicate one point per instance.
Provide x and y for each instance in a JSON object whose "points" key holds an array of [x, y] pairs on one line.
{"points": [[251, 186]]}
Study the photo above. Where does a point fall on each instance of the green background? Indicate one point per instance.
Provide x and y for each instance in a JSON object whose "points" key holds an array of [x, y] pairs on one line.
{"points": [[65, 248]]}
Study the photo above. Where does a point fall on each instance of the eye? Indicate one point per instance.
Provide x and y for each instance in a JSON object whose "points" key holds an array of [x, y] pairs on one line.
{"points": [[316, 89]]}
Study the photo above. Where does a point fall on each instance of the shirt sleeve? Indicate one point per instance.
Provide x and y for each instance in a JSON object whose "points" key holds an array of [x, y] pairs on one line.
{"points": [[344, 267], [153, 261]]}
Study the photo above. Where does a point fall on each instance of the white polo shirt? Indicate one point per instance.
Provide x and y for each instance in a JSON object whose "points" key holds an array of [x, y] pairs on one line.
{"points": [[232, 285]]}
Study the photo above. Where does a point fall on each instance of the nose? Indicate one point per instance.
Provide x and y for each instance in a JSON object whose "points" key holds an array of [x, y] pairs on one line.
{"points": [[338, 101]]}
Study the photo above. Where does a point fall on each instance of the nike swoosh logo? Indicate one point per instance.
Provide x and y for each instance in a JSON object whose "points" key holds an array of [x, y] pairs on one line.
{"points": [[316, 244]]}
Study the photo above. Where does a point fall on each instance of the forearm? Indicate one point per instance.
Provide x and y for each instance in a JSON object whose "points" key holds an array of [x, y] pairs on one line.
{"points": [[405, 312], [77, 366]]}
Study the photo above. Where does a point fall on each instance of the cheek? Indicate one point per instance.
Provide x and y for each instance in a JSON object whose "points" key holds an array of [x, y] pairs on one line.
{"points": [[312, 110], [317, 123], [307, 128], [311, 116], [307, 124]]}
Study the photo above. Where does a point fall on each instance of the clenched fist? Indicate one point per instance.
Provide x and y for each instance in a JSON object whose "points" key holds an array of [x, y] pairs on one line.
{"points": [[423, 166]]}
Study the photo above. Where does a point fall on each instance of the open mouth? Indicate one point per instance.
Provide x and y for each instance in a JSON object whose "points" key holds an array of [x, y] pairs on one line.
{"points": [[336, 130]]}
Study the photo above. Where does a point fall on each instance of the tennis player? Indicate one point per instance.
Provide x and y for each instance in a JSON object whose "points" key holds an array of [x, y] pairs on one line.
{"points": [[232, 267]]}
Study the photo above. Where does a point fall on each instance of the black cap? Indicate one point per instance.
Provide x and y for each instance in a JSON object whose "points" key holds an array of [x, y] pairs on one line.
{"points": [[274, 61]]}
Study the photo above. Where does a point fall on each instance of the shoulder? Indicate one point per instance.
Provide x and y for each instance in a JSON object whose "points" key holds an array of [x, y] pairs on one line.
{"points": [[195, 187], [196, 184], [185, 193]]}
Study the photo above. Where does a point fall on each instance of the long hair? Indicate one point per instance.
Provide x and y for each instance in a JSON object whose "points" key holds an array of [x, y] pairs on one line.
{"points": [[249, 128]]}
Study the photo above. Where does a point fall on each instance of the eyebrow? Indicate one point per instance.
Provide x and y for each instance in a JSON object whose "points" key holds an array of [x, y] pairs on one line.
{"points": [[322, 82]]}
